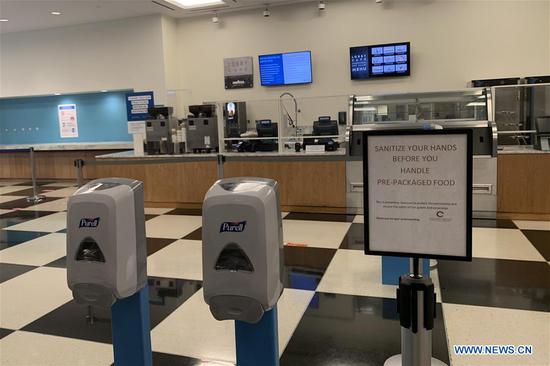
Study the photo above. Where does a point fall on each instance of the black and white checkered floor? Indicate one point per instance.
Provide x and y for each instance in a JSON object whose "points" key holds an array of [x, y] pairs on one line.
{"points": [[334, 309]]}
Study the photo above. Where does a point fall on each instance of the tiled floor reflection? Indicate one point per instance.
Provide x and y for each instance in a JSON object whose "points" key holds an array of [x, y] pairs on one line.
{"points": [[17, 217], [352, 330], [94, 323]]}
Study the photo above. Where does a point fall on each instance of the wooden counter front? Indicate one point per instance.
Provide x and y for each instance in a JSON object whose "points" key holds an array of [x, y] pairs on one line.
{"points": [[524, 186], [170, 185], [304, 185]]}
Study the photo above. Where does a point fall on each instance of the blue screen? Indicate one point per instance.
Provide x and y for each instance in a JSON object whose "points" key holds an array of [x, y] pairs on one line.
{"points": [[286, 68], [380, 61]]}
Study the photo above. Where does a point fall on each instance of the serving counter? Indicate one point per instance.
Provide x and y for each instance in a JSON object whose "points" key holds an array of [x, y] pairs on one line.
{"points": [[308, 181]]}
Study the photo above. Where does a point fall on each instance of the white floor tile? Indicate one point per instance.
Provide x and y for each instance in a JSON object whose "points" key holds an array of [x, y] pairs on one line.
{"points": [[61, 184], [478, 325], [4, 199], [532, 225], [359, 219], [503, 244], [4, 211], [320, 234], [46, 224], [351, 272], [181, 259], [27, 348], [36, 252], [11, 189], [63, 192], [172, 226], [157, 210], [57, 205], [31, 295], [192, 331], [283, 214]]}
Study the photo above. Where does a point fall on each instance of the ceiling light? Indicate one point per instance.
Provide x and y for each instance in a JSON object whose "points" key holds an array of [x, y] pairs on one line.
{"points": [[191, 4], [56, 94], [215, 19], [267, 13], [104, 90], [55, 13], [3, 19], [322, 5]]}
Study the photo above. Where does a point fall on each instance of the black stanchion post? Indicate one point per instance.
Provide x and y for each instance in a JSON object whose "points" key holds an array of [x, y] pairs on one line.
{"points": [[78, 164]]}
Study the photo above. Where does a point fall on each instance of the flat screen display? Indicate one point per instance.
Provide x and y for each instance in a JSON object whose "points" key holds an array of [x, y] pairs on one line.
{"points": [[286, 68], [384, 60]]}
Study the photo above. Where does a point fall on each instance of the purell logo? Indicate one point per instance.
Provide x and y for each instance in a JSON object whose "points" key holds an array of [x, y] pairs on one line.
{"points": [[232, 227], [89, 223]]}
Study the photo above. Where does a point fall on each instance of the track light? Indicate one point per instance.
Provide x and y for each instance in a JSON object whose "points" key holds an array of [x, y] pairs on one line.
{"points": [[267, 13], [322, 6], [379, 1], [215, 19]]}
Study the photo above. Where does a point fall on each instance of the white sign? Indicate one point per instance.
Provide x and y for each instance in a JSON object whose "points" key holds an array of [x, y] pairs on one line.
{"points": [[68, 123], [417, 199], [136, 127]]}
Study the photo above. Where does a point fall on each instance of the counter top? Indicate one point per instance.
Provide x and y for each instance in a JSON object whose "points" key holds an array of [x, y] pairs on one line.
{"points": [[115, 145], [520, 149], [340, 154]]}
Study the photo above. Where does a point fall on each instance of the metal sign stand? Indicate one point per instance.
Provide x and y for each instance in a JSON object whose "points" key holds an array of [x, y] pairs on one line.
{"points": [[258, 344], [416, 302], [35, 198]]}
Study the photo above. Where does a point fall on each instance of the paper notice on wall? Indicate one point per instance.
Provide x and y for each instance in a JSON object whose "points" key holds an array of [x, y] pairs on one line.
{"points": [[68, 122]]}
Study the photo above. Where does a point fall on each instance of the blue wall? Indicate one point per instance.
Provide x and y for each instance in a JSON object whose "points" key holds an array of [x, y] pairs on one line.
{"points": [[101, 118]]}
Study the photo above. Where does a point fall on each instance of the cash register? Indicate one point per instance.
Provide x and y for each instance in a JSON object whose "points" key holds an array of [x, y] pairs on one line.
{"points": [[264, 128], [324, 126]]}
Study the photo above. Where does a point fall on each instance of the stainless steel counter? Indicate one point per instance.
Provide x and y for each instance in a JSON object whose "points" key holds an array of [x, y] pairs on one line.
{"points": [[115, 145], [520, 149]]}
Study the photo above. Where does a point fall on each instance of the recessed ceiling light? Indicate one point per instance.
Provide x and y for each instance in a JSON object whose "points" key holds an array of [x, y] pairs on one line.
{"points": [[190, 4], [104, 90], [55, 13], [56, 93], [3, 19]]}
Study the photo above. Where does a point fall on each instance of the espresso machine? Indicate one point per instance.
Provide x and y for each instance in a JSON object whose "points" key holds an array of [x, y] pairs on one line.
{"points": [[158, 138], [234, 114]]}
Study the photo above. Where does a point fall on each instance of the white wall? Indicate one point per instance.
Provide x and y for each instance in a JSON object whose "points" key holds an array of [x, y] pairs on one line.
{"points": [[110, 55], [452, 43]]}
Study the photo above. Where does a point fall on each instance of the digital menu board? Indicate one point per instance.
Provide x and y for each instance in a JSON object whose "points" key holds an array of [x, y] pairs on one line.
{"points": [[392, 59], [286, 68]]}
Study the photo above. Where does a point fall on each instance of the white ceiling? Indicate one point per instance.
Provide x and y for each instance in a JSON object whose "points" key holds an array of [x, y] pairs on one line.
{"points": [[24, 15]]}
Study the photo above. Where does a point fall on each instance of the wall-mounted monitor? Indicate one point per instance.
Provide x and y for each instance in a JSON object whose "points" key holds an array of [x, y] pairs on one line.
{"points": [[286, 68], [383, 60]]}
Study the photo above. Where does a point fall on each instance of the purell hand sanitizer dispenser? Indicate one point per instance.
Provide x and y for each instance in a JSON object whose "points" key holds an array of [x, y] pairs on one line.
{"points": [[106, 248], [242, 248]]}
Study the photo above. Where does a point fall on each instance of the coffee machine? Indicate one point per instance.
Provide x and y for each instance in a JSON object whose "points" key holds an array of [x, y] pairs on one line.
{"points": [[234, 114], [202, 129], [158, 130]]}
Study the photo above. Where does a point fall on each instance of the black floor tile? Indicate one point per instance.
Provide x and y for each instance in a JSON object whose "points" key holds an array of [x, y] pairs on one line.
{"points": [[165, 359], [64, 231], [496, 282], [185, 211], [17, 217], [352, 330], [94, 324], [355, 238], [305, 267], [30, 192], [58, 263], [492, 223], [4, 332], [156, 244], [319, 217], [541, 240], [9, 271], [23, 203], [10, 238], [195, 235], [149, 217]]}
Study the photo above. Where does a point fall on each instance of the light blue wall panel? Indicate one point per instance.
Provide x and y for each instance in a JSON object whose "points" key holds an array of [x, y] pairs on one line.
{"points": [[33, 120]]}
